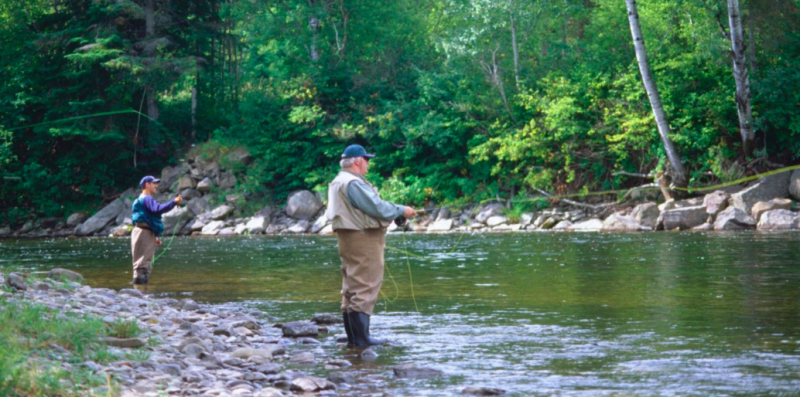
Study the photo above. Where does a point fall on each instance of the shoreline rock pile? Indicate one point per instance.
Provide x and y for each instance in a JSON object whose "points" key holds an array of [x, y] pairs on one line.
{"points": [[213, 210]]}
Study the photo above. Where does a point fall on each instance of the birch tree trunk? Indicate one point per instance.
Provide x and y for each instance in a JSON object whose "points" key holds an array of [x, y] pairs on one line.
{"points": [[741, 78], [514, 41], [679, 177], [150, 33], [314, 26]]}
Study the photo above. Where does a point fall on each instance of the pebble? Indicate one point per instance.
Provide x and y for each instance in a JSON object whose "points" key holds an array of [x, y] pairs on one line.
{"points": [[483, 391], [411, 370]]}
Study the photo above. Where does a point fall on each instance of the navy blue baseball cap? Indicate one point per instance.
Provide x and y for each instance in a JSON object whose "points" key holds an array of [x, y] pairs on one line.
{"points": [[149, 178], [356, 151]]}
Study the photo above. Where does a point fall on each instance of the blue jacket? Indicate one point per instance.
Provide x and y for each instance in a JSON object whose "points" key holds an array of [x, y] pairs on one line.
{"points": [[147, 210]]}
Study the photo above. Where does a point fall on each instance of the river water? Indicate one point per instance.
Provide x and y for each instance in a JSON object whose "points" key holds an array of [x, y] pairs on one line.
{"points": [[572, 314]]}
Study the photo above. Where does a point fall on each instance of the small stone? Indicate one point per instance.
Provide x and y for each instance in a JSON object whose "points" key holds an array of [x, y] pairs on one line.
{"points": [[247, 352], [193, 350], [269, 392], [171, 369], [59, 273], [222, 330], [311, 384], [484, 391], [268, 368], [341, 377], [188, 304], [369, 355], [300, 328], [131, 292], [125, 343], [411, 370], [303, 358], [16, 281], [327, 319]]}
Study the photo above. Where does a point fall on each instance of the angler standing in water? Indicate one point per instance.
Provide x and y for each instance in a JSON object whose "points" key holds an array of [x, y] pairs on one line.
{"points": [[360, 218], [146, 216]]}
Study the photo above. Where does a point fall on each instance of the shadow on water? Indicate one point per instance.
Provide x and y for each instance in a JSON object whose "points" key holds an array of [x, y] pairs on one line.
{"points": [[533, 313]]}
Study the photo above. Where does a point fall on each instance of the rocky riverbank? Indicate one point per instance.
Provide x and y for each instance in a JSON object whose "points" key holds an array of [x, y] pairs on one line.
{"points": [[214, 208], [180, 347]]}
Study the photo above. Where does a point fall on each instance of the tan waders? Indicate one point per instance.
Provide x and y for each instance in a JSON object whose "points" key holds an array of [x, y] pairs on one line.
{"points": [[143, 245]]}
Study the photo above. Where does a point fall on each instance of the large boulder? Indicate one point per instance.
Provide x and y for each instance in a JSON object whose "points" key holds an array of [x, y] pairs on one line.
{"points": [[592, 225], [442, 225], [774, 204], [733, 218], [490, 210], [59, 274], [256, 225], [767, 188], [239, 155], [189, 194], [496, 220], [198, 206], [684, 218], [620, 223], [227, 180], [779, 220], [299, 227], [169, 176], [205, 185], [794, 185], [646, 214], [101, 219], [716, 202], [186, 182], [76, 219], [212, 228], [221, 212], [176, 219], [303, 205]]}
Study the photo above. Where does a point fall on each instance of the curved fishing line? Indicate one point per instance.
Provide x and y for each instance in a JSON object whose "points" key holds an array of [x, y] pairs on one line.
{"points": [[88, 116], [164, 251]]}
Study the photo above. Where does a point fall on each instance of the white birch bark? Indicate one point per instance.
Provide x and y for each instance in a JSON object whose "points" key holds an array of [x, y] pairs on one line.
{"points": [[679, 177], [740, 76]]}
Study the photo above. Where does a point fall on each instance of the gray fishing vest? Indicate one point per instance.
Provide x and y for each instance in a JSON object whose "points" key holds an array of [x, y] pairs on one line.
{"points": [[341, 213]]}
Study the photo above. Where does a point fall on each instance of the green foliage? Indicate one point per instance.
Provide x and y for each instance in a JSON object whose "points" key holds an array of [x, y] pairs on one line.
{"points": [[431, 86], [124, 328]]}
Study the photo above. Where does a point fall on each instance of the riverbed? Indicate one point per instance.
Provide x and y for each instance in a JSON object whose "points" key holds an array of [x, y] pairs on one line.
{"points": [[578, 314]]}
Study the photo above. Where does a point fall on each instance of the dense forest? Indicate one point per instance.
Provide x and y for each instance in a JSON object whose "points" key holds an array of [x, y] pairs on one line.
{"points": [[461, 99]]}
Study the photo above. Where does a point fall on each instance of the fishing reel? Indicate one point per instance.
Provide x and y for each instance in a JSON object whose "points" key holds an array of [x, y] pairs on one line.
{"points": [[400, 221]]}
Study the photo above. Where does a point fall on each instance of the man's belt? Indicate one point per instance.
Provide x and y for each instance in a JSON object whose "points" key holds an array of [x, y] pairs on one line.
{"points": [[143, 226]]}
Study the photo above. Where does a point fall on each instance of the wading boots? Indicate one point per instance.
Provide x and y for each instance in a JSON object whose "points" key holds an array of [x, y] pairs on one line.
{"points": [[359, 326], [140, 277], [347, 329]]}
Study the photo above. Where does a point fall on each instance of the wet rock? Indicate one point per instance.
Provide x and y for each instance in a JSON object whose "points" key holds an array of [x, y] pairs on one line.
{"points": [[341, 377], [269, 392], [222, 331], [221, 212], [412, 370], [716, 202], [101, 219], [76, 219], [483, 391], [246, 321], [300, 328], [299, 227], [303, 205], [684, 218], [64, 274], [733, 218], [646, 214], [779, 220], [303, 358], [123, 342], [774, 204], [767, 188], [563, 225], [327, 319], [308, 384], [592, 225], [16, 282], [620, 223]]}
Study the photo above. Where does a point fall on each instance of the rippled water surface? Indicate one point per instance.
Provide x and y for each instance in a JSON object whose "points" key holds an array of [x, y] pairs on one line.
{"points": [[669, 314]]}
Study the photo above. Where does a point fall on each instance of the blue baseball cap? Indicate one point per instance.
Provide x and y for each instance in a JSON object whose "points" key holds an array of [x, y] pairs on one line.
{"points": [[356, 151], [149, 178]]}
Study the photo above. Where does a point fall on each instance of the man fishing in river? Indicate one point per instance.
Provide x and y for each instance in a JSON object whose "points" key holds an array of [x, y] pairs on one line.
{"points": [[146, 217], [360, 218]]}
